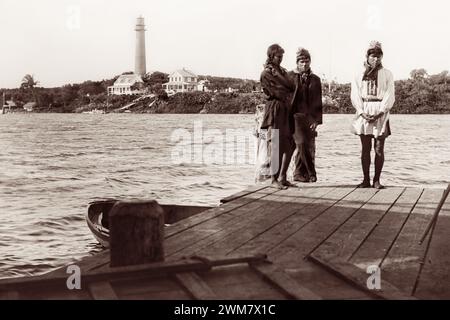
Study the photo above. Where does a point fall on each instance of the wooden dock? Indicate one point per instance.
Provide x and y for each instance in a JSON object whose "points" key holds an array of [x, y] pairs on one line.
{"points": [[311, 242]]}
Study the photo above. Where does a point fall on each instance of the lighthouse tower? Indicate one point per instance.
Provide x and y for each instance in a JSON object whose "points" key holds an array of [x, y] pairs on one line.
{"points": [[140, 65]]}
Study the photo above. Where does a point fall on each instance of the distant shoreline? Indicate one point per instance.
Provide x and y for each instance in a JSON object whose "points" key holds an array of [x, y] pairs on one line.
{"points": [[237, 113], [421, 94], [217, 103]]}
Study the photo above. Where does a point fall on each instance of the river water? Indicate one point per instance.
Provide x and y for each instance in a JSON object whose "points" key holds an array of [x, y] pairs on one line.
{"points": [[53, 165]]}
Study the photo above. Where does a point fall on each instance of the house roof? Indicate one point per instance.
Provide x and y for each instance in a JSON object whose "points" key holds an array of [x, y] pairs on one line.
{"points": [[181, 83], [29, 105], [11, 103], [184, 73], [127, 80]]}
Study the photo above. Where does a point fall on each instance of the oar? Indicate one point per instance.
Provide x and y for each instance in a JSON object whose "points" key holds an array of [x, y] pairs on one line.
{"points": [[436, 213]]}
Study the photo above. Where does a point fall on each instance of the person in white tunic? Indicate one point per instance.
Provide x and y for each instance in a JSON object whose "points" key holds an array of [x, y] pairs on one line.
{"points": [[372, 95]]}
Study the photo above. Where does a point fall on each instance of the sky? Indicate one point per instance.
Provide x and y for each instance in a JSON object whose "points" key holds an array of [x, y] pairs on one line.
{"points": [[71, 41]]}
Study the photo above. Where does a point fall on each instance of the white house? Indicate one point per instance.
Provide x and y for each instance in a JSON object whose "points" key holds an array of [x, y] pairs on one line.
{"points": [[127, 84], [29, 106], [231, 90], [184, 81], [10, 104], [203, 85]]}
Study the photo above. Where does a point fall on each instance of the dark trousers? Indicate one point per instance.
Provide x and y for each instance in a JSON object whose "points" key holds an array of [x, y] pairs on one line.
{"points": [[305, 141], [304, 160], [366, 144]]}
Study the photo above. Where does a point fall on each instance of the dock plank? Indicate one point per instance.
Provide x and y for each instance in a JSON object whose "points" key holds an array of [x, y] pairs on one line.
{"points": [[274, 236], [143, 288], [178, 294], [196, 287], [296, 247], [319, 240], [248, 224], [377, 245], [283, 281], [402, 263], [205, 231], [323, 283], [257, 224], [102, 290], [191, 221], [53, 292], [240, 282], [358, 278], [434, 281], [242, 193], [290, 253], [348, 238], [9, 295], [302, 205], [254, 290]]}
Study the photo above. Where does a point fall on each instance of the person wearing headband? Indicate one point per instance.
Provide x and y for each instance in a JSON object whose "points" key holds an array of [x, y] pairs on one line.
{"points": [[307, 109], [372, 96]]}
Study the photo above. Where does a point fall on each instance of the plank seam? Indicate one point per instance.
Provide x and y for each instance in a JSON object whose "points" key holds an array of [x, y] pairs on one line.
{"points": [[376, 224], [244, 193], [219, 214], [281, 221], [339, 269], [175, 253], [288, 285], [307, 223], [102, 290], [422, 262], [340, 225], [400, 230], [202, 292]]}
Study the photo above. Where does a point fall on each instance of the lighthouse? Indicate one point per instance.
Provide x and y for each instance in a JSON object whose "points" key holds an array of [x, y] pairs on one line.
{"points": [[126, 83], [140, 65]]}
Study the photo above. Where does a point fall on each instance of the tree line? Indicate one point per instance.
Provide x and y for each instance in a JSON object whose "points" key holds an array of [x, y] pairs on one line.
{"points": [[421, 93]]}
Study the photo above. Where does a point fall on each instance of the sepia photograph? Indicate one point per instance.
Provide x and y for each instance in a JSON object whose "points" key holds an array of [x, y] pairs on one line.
{"points": [[234, 152]]}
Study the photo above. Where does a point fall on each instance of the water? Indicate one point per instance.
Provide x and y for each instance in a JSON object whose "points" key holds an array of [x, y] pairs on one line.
{"points": [[53, 165]]}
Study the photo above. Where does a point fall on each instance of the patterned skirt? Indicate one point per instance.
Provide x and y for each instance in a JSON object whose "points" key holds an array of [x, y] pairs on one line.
{"points": [[379, 128]]}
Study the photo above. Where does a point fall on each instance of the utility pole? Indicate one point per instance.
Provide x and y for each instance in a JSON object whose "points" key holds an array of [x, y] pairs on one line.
{"points": [[330, 76], [3, 102]]}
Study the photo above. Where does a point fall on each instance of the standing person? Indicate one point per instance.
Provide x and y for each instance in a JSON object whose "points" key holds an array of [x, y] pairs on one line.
{"points": [[262, 156], [372, 95], [278, 88], [307, 108]]}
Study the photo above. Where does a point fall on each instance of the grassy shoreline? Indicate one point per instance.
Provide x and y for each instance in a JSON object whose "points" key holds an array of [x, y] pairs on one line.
{"points": [[421, 94]]}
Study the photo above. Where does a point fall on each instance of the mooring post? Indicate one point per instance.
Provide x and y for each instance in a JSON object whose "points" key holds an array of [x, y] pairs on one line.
{"points": [[136, 233]]}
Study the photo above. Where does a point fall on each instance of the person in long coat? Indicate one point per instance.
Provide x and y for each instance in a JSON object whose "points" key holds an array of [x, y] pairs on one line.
{"points": [[278, 119], [307, 108]]}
